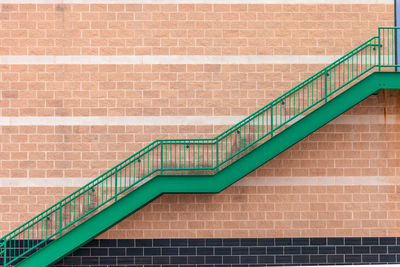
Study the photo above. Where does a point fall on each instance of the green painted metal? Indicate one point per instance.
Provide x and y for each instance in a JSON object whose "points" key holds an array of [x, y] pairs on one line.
{"points": [[213, 163]]}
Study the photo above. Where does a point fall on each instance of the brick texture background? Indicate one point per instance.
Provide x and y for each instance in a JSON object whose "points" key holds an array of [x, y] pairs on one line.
{"points": [[356, 149], [198, 29], [145, 90]]}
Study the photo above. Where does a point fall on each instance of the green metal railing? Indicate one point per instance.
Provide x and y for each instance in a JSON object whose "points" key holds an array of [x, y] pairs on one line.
{"points": [[201, 156]]}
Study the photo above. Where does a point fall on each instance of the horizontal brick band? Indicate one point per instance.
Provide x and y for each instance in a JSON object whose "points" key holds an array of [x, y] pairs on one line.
{"points": [[170, 120], [248, 181], [197, 29], [276, 59], [198, 1]]}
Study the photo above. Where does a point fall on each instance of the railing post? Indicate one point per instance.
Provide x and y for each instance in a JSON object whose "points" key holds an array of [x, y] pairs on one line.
{"points": [[326, 86], [272, 120], [116, 184], [5, 253], [60, 231], [379, 49], [162, 152], [217, 156]]}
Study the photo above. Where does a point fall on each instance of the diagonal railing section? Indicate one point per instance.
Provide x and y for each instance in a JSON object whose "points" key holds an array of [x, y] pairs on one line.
{"points": [[200, 156]]}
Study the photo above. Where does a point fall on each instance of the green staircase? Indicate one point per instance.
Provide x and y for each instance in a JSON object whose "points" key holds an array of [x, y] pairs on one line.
{"points": [[204, 165]]}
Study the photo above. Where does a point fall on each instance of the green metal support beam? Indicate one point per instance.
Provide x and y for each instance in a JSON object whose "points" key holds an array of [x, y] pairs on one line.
{"points": [[164, 184]]}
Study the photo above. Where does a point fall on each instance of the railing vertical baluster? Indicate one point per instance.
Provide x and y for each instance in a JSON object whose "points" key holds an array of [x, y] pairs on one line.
{"points": [[5, 252], [116, 184], [379, 50], [272, 118], [217, 156], [60, 220], [326, 86], [162, 151]]}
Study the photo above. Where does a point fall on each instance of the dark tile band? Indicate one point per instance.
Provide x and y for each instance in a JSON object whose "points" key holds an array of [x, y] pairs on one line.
{"points": [[235, 252]]}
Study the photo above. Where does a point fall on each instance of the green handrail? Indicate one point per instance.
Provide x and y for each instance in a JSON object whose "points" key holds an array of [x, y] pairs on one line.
{"points": [[207, 155]]}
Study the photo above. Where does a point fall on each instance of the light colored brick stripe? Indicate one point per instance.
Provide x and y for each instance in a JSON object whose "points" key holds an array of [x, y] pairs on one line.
{"points": [[278, 59], [171, 120], [197, 1], [121, 120], [318, 181], [248, 181]]}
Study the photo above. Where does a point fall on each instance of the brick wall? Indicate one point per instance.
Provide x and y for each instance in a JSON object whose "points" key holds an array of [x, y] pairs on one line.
{"points": [[188, 29], [336, 182]]}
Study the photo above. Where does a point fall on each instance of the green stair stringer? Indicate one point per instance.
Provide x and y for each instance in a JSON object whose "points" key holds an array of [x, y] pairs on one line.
{"points": [[164, 184]]}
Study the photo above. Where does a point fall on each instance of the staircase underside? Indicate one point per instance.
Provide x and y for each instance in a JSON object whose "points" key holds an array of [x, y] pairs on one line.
{"points": [[164, 184]]}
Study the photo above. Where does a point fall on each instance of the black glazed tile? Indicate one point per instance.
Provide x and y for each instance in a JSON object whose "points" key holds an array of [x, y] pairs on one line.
{"points": [[361, 249], [144, 242], [224, 251], [108, 260], [169, 251], [387, 241], [258, 250], [198, 242], [240, 251], [178, 260], [352, 258], [370, 241], [205, 251], [301, 241], [138, 260], [187, 251], [179, 242], [292, 250], [283, 259], [370, 258], [196, 260], [378, 249], [327, 250], [90, 260], [234, 242], [352, 241], [318, 259], [318, 241], [283, 242], [213, 242], [336, 241], [99, 252], [161, 260], [247, 242], [309, 250], [266, 259], [152, 251], [248, 259], [265, 242], [126, 243], [230, 259], [299, 259], [108, 243], [161, 242], [335, 258], [213, 259], [134, 251], [275, 250], [117, 251], [393, 249], [344, 250], [386, 258]]}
